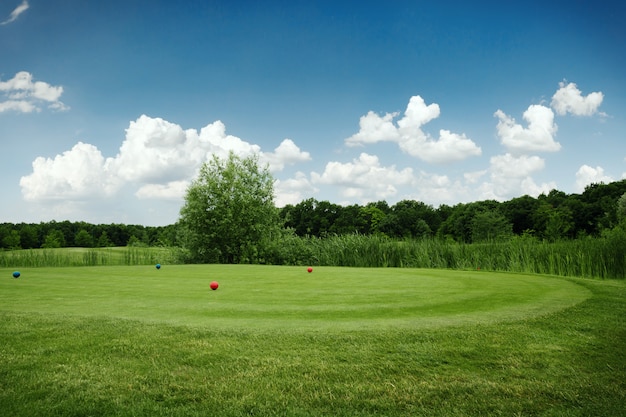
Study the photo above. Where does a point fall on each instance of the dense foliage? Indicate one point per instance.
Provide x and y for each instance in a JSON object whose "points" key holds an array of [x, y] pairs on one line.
{"points": [[575, 235], [551, 216], [80, 234], [229, 211]]}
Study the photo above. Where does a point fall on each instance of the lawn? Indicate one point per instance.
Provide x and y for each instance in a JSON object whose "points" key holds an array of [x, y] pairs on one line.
{"points": [[280, 341]]}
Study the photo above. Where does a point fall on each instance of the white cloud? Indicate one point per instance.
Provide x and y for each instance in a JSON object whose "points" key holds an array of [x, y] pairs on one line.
{"points": [[473, 177], [364, 178], [16, 13], [511, 176], [374, 128], [157, 158], [438, 189], [569, 99], [287, 153], [449, 147], [529, 187], [154, 151], [409, 136], [537, 137], [173, 190], [76, 174], [23, 95], [587, 175], [293, 190], [509, 166], [19, 106]]}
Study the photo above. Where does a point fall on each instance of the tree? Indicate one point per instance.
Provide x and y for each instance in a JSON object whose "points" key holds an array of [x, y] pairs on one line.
{"points": [[83, 239], [372, 216], [621, 208], [104, 241], [229, 211], [558, 225], [11, 240], [54, 239], [28, 237], [490, 225]]}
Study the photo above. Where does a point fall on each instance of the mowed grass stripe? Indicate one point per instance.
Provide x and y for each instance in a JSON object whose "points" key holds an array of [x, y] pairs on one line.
{"points": [[252, 297]]}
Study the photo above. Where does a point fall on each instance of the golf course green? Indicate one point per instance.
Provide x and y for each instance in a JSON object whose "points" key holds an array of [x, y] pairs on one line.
{"points": [[280, 341], [273, 297]]}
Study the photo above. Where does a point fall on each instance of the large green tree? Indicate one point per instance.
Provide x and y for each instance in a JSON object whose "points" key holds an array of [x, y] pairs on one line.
{"points": [[229, 211]]}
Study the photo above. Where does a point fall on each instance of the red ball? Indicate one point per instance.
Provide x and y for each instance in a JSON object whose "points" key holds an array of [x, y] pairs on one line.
{"points": [[214, 285], [309, 269]]}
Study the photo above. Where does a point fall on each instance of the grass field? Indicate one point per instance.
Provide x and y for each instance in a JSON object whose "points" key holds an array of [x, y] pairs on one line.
{"points": [[120, 340]]}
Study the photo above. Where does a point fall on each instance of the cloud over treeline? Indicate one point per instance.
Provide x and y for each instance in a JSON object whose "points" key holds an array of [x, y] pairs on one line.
{"points": [[158, 158]]}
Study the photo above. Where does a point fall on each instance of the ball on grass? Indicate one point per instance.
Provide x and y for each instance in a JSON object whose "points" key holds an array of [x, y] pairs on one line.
{"points": [[214, 285], [158, 266], [16, 274], [309, 269]]}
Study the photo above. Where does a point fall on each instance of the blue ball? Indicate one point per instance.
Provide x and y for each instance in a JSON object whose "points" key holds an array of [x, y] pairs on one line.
{"points": [[158, 266], [16, 274]]}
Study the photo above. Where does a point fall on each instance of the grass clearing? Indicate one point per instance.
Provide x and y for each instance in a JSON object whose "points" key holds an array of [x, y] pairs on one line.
{"points": [[337, 342], [275, 297]]}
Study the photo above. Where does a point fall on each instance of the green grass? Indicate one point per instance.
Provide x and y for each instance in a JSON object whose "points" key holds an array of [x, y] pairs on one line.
{"points": [[60, 257], [337, 342]]}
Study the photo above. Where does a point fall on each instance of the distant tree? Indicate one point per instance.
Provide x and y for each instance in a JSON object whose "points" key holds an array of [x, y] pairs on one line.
{"points": [[519, 212], [621, 208], [83, 239], [135, 242], [28, 237], [349, 221], [104, 241], [229, 211], [371, 216], [490, 225], [11, 240], [139, 237], [54, 239], [559, 224], [459, 224], [409, 218]]}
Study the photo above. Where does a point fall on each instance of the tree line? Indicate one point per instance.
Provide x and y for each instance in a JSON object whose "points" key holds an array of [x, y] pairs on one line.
{"points": [[551, 216], [229, 214], [59, 234]]}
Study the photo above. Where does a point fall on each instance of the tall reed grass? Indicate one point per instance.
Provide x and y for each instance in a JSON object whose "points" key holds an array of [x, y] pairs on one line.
{"points": [[603, 257], [588, 257], [62, 257]]}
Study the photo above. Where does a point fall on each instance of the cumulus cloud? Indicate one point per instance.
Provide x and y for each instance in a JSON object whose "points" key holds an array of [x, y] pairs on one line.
{"points": [[364, 178], [537, 137], [157, 158], [473, 177], [587, 175], [511, 176], [173, 190], [76, 174], [154, 151], [438, 189], [287, 153], [569, 99], [23, 95], [410, 137], [293, 190], [509, 166], [374, 128], [16, 13]]}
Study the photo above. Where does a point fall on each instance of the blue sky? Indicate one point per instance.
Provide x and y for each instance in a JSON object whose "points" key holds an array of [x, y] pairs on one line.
{"points": [[107, 109]]}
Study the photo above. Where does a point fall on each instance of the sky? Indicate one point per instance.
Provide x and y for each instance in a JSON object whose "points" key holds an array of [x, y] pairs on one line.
{"points": [[108, 109]]}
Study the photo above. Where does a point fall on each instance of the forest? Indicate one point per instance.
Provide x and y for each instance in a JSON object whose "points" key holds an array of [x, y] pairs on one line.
{"points": [[549, 217]]}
